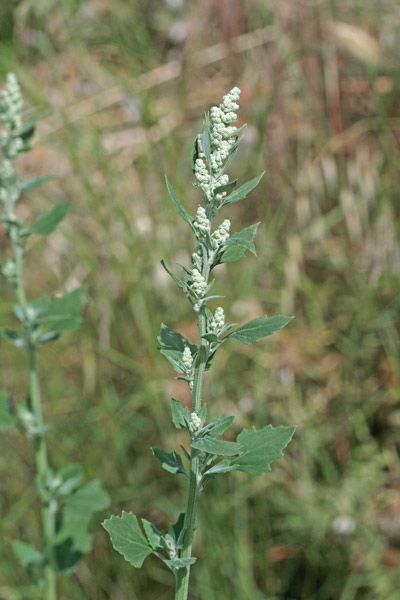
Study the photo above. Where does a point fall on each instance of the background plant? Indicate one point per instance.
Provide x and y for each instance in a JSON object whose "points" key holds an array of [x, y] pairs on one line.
{"points": [[126, 89], [213, 151], [66, 505]]}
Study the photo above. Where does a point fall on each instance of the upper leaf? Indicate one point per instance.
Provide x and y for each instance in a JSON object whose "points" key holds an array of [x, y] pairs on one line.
{"points": [[127, 538], [244, 189], [172, 345], [236, 246], [31, 184], [178, 205], [255, 330], [180, 414], [218, 425], [47, 222], [260, 448]]}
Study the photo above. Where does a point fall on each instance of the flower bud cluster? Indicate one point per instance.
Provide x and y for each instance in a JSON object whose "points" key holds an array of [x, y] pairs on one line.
{"points": [[199, 285], [201, 222], [11, 104], [196, 260], [222, 139], [218, 322], [194, 423], [187, 360], [221, 234]]}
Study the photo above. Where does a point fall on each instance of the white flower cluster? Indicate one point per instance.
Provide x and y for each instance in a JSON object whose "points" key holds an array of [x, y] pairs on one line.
{"points": [[221, 234], [199, 285], [195, 422], [187, 359], [218, 322], [222, 135], [196, 260], [11, 104], [201, 222]]}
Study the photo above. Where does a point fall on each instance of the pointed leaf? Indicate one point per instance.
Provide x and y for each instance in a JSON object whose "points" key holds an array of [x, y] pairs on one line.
{"points": [[63, 314], [7, 419], [218, 447], [219, 425], [47, 222], [153, 534], [228, 187], [127, 538], [255, 330], [179, 414], [178, 205], [244, 189], [26, 553], [244, 238], [260, 448], [180, 283], [13, 337], [222, 467], [232, 254], [31, 184], [171, 461]]}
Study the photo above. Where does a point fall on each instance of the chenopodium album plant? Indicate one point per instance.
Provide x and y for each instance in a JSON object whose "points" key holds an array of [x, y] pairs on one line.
{"points": [[208, 456], [66, 506]]}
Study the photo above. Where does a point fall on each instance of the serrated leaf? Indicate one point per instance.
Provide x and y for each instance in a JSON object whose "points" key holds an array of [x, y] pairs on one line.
{"points": [[31, 184], [47, 222], [7, 419], [178, 205], [255, 330], [153, 534], [171, 461], [260, 448], [217, 447], [179, 414], [63, 314], [127, 538], [13, 337], [219, 425], [244, 189]]}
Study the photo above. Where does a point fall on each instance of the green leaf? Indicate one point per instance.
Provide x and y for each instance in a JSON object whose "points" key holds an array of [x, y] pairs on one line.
{"points": [[255, 330], [153, 534], [177, 529], [71, 477], [171, 461], [13, 337], [7, 419], [244, 189], [222, 467], [218, 425], [218, 447], [178, 205], [179, 414], [194, 154], [27, 130], [228, 187], [236, 246], [63, 314], [127, 538], [31, 184], [172, 345], [26, 553], [47, 222], [260, 448], [179, 563], [178, 281], [210, 337], [205, 142], [76, 514]]}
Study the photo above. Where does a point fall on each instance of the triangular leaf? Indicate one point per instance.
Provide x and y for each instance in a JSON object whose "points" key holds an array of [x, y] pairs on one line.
{"points": [[244, 189], [171, 461], [255, 330], [260, 448], [179, 414], [47, 222], [127, 538]]}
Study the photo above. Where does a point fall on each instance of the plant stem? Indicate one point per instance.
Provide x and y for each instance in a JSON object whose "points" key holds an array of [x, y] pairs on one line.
{"points": [[183, 575], [41, 457]]}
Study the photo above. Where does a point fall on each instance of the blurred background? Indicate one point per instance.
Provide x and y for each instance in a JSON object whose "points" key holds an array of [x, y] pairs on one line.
{"points": [[124, 85]]}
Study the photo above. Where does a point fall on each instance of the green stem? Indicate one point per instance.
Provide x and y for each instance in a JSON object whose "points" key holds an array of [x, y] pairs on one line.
{"points": [[183, 575], [48, 508]]}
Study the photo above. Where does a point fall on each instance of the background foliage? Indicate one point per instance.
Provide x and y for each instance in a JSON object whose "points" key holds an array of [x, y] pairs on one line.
{"points": [[124, 85]]}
